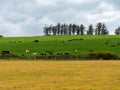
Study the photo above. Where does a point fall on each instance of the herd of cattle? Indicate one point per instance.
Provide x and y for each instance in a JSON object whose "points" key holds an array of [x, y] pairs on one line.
{"points": [[28, 51]]}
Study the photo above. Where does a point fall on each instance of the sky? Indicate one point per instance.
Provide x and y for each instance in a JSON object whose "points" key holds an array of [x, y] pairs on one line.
{"points": [[28, 17]]}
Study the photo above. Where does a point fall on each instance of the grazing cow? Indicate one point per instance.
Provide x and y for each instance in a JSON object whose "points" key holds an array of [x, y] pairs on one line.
{"points": [[27, 51], [81, 39], [36, 40], [106, 42], [66, 53], [43, 54], [70, 40], [59, 54], [35, 53], [19, 41], [5, 52], [22, 54], [112, 45], [91, 50], [75, 50], [49, 52]]}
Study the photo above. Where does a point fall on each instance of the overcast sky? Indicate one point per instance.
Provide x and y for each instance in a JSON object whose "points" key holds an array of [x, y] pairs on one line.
{"points": [[28, 17]]}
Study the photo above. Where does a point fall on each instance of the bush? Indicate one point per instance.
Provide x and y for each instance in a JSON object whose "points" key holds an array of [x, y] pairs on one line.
{"points": [[1, 36], [9, 56], [63, 56], [102, 55], [92, 55], [105, 55]]}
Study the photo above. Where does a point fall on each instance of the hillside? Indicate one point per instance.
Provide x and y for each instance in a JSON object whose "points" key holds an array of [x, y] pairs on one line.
{"points": [[61, 44]]}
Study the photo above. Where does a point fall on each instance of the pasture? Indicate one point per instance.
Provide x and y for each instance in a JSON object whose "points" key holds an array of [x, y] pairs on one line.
{"points": [[59, 75], [61, 44]]}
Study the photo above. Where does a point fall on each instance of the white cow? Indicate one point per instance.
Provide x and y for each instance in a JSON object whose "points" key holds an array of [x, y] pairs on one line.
{"points": [[35, 53], [75, 50], [27, 51]]}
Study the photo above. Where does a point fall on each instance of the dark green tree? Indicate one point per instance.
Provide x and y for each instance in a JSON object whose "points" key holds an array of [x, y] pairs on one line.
{"points": [[54, 30], [47, 31], [101, 29], [82, 29], [70, 29], [58, 28], [62, 29], [98, 28], [117, 31], [73, 29], [78, 30], [104, 30], [90, 30]]}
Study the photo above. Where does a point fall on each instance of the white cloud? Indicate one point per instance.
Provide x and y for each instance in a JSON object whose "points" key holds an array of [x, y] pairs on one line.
{"points": [[79, 1], [9, 29], [106, 16], [105, 6], [111, 18], [46, 20], [44, 3]]}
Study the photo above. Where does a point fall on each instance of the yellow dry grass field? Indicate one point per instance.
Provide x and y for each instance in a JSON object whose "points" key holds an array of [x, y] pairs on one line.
{"points": [[59, 75]]}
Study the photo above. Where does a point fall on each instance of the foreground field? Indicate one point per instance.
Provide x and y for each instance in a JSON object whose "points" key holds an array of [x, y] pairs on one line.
{"points": [[59, 75]]}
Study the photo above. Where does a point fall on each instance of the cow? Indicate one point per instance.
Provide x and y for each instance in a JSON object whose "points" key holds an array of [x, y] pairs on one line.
{"points": [[75, 50], [91, 50], [106, 42], [36, 41], [35, 53], [27, 51], [5, 52]]}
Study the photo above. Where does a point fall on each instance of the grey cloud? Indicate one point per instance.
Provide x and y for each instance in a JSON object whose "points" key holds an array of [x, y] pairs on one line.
{"points": [[116, 3], [28, 17]]}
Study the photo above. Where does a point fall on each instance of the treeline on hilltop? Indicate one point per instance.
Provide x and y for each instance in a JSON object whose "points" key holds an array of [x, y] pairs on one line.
{"points": [[74, 29]]}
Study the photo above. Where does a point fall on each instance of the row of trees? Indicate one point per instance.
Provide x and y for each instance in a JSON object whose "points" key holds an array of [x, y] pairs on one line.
{"points": [[74, 29]]}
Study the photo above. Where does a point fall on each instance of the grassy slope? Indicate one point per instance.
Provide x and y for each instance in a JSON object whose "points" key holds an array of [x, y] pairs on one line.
{"points": [[54, 43], [59, 75]]}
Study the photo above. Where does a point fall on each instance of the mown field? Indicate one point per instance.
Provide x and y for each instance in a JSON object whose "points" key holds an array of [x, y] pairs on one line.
{"points": [[59, 75], [61, 44]]}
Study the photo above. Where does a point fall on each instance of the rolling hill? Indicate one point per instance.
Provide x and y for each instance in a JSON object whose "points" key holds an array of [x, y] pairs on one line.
{"points": [[61, 44]]}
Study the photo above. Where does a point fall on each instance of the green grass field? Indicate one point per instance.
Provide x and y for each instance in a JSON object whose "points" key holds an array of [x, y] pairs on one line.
{"points": [[18, 45], [59, 75]]}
